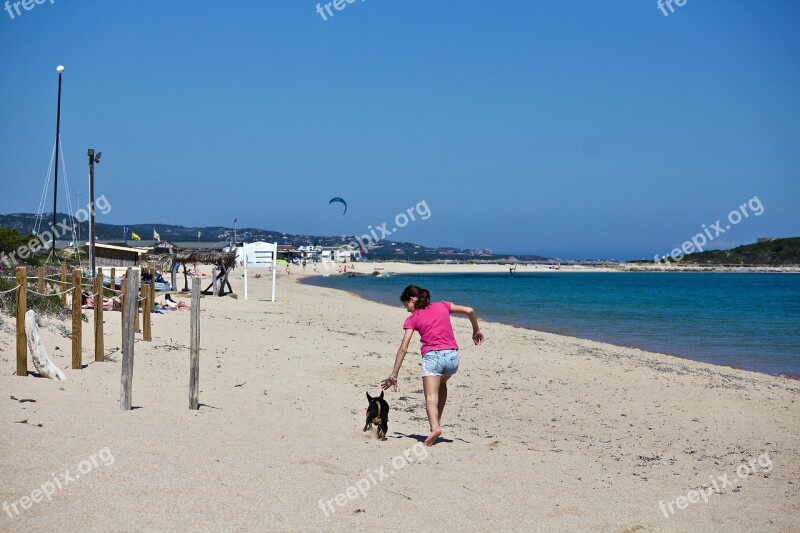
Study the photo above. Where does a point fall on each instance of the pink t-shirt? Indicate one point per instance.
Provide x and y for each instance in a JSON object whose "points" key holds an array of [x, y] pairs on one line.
{"points": [[434, 327]]}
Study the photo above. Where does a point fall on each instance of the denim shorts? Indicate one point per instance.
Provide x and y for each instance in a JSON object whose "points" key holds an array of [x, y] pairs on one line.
{"points": [[440, 363]]}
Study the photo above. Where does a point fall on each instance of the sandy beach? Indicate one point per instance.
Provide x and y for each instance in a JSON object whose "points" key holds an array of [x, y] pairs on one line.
{"points": [[541, 432]]}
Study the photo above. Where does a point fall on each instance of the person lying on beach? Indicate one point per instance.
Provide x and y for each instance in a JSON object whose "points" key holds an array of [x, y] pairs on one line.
{"points": [[109, 304], [172, 305], [439, 349]]}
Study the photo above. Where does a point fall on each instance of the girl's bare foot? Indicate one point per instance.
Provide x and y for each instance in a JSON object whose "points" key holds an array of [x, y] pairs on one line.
{"points": [[435, 434]]}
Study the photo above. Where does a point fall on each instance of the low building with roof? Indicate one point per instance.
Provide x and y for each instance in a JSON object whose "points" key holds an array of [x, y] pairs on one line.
{"points": [[109, 255]]}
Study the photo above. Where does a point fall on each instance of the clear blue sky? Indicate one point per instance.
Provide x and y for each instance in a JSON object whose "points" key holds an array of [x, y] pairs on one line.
{"points": [[564, 128]]}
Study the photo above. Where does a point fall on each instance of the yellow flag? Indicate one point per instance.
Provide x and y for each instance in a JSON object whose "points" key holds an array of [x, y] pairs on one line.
{"points": [[135, 237]]}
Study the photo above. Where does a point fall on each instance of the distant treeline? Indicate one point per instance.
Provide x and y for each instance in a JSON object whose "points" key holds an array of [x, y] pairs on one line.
{"points": [[384, 249]]}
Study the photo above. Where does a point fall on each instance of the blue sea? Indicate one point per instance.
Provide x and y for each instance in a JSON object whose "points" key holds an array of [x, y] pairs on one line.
{"points": [[749, 321]]}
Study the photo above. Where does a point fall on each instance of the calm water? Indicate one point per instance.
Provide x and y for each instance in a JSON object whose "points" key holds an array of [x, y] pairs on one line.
{"points": [[749, 321]]}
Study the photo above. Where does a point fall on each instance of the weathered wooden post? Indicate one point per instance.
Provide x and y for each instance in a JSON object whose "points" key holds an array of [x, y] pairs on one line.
{"points": [[99, 348], [63, 289], [172, 273], [147, 305], [194, 353], [123, 287], [216, 283], [40, 285], [113, 284], [225, 282], [22, 341], [126, 377], [76, 319], [137, 294]]}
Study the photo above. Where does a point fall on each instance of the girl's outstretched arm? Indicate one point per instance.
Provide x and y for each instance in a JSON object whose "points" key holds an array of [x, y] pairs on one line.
{"points": [[398, 361], [477, 336]]}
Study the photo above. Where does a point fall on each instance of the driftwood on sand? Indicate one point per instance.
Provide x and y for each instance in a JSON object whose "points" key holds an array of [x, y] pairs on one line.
{"points": [[41, 360]]}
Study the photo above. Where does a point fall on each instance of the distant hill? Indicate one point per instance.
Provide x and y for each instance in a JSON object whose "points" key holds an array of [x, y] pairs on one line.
{"points": [[774, 253], [387, 249]]}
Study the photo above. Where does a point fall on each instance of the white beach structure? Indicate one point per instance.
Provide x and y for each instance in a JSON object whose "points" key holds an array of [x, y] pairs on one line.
{"points": [[258, 255], [339, 254], [253, 249]]}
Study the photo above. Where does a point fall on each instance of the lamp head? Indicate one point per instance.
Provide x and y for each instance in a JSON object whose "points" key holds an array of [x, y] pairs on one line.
{"points": [[60, 69], [97, 157]]}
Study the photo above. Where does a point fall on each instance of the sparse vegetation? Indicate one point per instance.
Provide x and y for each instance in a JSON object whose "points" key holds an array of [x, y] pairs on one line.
{"points": [[43, 305], [11, 240], [770, 253]]}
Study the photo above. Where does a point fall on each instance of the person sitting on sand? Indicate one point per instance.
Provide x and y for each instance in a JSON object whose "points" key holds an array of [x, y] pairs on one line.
{"points": [[439, 349]]}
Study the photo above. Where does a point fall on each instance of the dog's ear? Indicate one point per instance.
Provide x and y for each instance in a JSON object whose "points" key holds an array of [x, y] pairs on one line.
{"points": [[381, 396], [369, 398]]}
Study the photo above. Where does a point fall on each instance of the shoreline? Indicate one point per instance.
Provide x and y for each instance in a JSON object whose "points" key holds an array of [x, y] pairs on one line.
{"points": [[784, 375], [404, 267], [362, 269]]}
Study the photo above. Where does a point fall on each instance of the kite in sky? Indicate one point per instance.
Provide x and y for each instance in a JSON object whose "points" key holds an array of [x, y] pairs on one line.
{"points": [[339, 200]]}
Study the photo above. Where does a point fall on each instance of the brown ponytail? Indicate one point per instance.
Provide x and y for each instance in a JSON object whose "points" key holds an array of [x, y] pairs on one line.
{"points": [[423, 296]]}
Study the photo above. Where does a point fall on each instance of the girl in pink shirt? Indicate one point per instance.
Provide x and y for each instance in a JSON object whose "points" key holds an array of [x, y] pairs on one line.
{"points": [[438, 346]]}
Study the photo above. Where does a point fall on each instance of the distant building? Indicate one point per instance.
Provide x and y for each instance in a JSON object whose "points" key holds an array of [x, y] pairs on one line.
{"points": [[340, 254], [310, 253], [166, 246], [767, 239], [108, 255], [287, 251]]}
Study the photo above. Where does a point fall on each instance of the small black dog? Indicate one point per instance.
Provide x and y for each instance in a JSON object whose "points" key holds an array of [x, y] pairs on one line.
{"points": [[378, 414]]}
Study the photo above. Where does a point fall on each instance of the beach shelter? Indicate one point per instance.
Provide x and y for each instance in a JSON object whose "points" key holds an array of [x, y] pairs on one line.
{"points": [[223, 264]]}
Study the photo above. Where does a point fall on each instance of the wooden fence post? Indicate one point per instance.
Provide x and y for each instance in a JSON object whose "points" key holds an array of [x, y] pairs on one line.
{"points": [[40, 285], [147, 334], [99, 348], [172, 275], [63, 289], [22, 341], [126, 378], [76, 320], [194, 353], [113, 284], [122, 298], [136, 294]]}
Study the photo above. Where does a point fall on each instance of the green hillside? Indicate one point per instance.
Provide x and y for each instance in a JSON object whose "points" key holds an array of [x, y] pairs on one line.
{"points": [[773, 253]]}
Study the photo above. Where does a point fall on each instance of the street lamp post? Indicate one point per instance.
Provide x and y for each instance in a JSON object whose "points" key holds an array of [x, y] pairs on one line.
{"points": [[234, 233], [92, 160], [60, 70]]}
